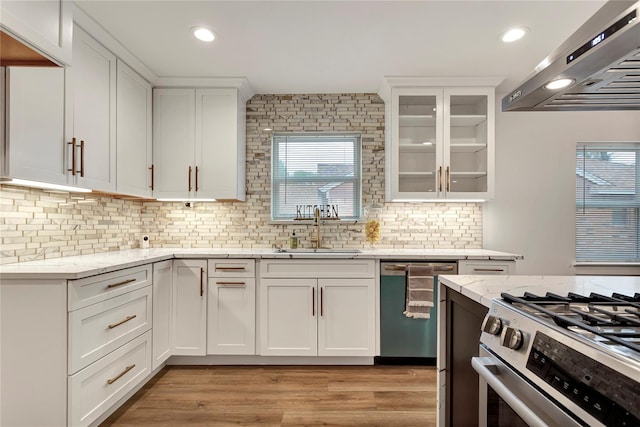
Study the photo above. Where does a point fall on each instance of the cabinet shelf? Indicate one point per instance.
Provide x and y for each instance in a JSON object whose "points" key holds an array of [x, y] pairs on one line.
{"points": [[467, 175], [417, 120], [415, 174], [467, 147], [417, 148], [467, 120]]}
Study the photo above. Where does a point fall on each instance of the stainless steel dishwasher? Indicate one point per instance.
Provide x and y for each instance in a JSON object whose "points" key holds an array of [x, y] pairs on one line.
{"points": [[405, 340]]}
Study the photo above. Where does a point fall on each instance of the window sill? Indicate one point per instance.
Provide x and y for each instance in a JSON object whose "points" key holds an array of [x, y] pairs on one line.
{"points": [[607, 268]]}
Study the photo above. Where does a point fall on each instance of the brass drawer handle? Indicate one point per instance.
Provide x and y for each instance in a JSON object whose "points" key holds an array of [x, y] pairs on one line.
{"points": [[230, 269], [115, 285], [489, 269], [73, 156], [233, 284], [113, 325], [152, 169], [116, 378], [81, 159]]}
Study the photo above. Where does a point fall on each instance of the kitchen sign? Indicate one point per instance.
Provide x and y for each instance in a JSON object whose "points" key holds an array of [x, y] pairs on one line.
{"points": [[326, 211]]}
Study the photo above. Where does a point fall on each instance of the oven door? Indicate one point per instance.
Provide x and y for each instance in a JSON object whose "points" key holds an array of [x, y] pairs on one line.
{"points": [[507, 399]]}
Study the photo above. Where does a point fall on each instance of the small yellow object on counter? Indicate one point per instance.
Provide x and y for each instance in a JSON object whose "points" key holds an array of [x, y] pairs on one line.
{"points": [[372, 230]]}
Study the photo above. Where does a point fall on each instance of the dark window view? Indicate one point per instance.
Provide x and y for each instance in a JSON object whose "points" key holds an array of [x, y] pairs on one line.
{"points": [[607, 202]]}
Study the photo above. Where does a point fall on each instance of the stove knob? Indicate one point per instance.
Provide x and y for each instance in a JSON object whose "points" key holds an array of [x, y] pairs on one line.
{"points": [[511, 338], [492, 325]]}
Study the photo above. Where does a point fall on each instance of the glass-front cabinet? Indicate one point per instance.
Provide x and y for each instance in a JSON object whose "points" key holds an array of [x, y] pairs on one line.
{"points": [[442, 143]]}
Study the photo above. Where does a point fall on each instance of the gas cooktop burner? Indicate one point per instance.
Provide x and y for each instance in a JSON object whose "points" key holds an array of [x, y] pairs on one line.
{"points": [[613, 320]]}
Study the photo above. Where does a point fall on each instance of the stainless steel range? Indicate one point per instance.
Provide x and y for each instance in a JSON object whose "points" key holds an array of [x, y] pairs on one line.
{"points": [[560, 360]]}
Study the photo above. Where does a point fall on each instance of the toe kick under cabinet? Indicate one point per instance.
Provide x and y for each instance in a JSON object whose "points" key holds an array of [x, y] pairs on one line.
{"points": [[317, 307], [71, 349]]}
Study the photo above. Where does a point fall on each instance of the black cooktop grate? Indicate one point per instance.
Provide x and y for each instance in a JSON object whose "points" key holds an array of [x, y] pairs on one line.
{"points": [[615, 318]]}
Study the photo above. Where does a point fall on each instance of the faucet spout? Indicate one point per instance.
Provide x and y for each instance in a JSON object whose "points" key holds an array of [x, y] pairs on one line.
{"points": [[317, 217]]}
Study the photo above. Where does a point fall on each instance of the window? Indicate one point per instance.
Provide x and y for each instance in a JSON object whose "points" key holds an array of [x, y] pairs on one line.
{"points": [[309, 170], [608, 202]]}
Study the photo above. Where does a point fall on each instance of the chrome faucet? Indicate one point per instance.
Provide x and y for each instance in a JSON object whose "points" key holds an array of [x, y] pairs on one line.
{"points": [[316, 218]]}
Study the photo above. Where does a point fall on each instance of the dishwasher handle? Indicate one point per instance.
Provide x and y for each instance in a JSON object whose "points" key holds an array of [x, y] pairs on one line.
{"points": [[403, 267]]}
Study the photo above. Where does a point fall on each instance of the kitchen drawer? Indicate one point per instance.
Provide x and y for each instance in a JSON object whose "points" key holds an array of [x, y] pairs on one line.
{"points": [[97, 387], [91, 290], [318, 268], [486, 267], [232, 268], [98, 329]]}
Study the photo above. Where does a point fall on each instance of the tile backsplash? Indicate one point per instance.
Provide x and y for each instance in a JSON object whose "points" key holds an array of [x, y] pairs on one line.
{"points": [[36, 224]]}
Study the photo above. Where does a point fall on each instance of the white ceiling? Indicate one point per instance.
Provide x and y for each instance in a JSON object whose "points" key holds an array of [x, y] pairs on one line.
{"points": [[339, 46]]}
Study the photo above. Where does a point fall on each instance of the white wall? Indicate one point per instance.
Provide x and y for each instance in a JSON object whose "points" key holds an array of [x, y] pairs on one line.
{"points": [[533, 213]]}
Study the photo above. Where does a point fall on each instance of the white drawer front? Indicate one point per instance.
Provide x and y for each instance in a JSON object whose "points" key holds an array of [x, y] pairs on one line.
{"points": [[318, 268], [486, 267], [90, 290], [96, 388], [97, 330], [232, 267]]}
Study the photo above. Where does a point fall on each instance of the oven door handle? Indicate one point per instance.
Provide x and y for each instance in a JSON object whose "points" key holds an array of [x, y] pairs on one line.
{"points": [[484, 367]]}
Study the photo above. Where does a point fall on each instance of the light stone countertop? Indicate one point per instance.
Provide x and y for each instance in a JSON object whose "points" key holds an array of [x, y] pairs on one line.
{"points": [[77, 267], [483, 289]]}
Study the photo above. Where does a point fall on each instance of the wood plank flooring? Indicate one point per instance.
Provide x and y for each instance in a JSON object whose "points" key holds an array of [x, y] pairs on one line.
{"points": [[386, 396]]}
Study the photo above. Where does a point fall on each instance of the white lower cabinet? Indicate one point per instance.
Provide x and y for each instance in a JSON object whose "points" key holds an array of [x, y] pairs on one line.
{"points": [[231, 307], [317, 315], [162, 279], [189, 307], [97, 387]]}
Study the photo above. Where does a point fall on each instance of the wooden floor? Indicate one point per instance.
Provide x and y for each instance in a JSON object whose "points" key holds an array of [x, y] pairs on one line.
{"points": [[284, 396]]}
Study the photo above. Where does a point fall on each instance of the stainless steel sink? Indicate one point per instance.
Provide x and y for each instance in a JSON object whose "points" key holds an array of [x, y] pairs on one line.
{"points": [[318, 251]]}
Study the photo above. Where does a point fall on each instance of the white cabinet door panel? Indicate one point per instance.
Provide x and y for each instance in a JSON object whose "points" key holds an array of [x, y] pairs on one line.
{"points": [[92, 113], [288, 317], [35, 124], [133, 145], [189, 314], [231, 324], [162, 278], [173, 136], [346, 325]]}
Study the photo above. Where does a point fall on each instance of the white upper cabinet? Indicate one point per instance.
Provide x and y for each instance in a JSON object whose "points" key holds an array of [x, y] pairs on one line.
{"points": [[45, 25], [440, 144], [134, 143], [199, 144], [34, 146], [91, 114]]}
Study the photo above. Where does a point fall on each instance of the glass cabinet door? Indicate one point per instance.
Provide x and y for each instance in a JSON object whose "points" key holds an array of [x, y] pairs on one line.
{"points": [[417, 143], [469, 135]]}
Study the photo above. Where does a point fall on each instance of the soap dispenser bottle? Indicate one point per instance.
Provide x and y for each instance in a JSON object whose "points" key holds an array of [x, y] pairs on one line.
{"points": [[293, 241]]}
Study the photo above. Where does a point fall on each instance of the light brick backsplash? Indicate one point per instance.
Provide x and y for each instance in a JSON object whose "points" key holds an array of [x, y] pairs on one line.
{"points": [[37, 224]]}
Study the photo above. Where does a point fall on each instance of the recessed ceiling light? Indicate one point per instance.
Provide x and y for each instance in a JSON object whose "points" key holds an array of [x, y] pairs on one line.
{"points": [[514, 34], [558, 84], [204, 34]]}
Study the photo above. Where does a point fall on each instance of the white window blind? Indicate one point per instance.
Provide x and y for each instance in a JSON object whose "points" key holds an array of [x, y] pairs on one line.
{"points": [[316, 170], [608, 202]]}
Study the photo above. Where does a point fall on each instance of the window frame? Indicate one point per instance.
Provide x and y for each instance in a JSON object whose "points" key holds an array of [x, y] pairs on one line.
{"points": [[357, 180], [633, 203]]}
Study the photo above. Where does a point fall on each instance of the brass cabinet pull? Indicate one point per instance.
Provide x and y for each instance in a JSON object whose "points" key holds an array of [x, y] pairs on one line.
{"points": [[313, 302], [197, 170], [448, 180], [115, 285], [113, 325], [152, 171], [500, 270], [117, 377], [73, 156], [232, 284], [321, 302], [201, 281], [189, 178], [82, 158], [440, 179], [230, 269]]}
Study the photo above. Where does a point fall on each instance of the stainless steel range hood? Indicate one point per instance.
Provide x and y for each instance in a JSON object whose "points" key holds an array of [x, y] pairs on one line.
{"points": [[602, 60]]}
